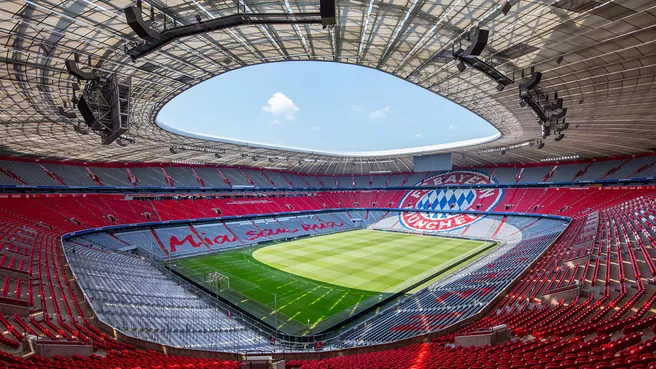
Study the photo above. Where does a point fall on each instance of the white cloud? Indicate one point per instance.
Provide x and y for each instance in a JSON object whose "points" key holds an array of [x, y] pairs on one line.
{"points": [[357, 109], [380, 113], [275, 121], [314, 129], [452, 127], [418, 135], [281, 105]]}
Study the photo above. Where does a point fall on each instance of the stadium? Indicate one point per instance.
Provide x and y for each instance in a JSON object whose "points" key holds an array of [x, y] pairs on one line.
{"points": [[126, 243]]}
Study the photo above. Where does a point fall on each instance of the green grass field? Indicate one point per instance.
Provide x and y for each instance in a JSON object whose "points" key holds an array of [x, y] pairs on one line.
{"points": [[319, 281]]}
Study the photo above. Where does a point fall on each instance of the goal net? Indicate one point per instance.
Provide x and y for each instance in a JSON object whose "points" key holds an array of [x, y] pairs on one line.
{"points": [[218, 280]]}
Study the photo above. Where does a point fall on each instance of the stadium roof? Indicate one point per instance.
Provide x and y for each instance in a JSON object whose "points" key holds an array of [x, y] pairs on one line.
{"points": [[598, 55]]}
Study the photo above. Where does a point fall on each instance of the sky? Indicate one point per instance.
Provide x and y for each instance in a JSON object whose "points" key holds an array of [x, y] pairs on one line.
{"points": [[321, 106]]}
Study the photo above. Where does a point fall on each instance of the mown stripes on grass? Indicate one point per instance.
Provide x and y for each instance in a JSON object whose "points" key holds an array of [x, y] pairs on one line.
{"points": [[318, 278]]}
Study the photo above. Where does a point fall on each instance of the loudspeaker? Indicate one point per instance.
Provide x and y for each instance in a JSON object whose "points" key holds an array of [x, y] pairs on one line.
{"points": [[87, 113], [67, 114], [138, 25], [80, 130], [461, 66], [546, 131], [506, 8], [560, 115], [558, 104], [532, 82], [328, 12], [478, 43], [71, 67]]}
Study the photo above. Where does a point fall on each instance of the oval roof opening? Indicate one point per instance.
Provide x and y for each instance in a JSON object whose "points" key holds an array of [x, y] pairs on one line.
{"points": [[323, 107]]}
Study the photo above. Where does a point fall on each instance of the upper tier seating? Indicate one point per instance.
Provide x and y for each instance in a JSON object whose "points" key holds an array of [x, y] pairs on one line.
{"points": [[211, 177], [149, 177], [236, 178], [72, 175], [26, 173], [184, 177], [15, 173], [112, 177]]}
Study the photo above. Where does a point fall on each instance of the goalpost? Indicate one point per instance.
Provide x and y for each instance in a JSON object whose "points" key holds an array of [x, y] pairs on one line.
{"points": [[218, 280]]}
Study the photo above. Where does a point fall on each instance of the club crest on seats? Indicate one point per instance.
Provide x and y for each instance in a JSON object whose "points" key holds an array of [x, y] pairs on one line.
{"points": [[450, 201]]}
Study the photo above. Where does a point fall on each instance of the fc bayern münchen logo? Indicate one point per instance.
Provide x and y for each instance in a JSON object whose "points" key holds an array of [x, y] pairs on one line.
{"points": [[477, 199]]}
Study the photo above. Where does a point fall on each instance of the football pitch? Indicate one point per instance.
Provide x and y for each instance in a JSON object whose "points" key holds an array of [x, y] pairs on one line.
{"points": [[316, 282]]}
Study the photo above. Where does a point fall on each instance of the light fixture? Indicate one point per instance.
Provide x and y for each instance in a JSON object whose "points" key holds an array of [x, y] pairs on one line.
{"points": [[374, 161], [503, 149], [505, 9], [560, 158], [523, 144], [187, 162], [198, 149], [269, 157]]}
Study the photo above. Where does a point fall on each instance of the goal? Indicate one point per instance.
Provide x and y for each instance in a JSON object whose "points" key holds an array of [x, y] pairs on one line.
{"points": [[218, 280]]}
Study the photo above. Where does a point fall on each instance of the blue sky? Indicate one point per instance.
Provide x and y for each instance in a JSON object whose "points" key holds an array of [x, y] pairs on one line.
{"points": [[321, 106]]}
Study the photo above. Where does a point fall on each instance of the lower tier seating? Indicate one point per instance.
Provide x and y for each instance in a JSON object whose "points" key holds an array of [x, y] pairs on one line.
{"points": [[143, 301]]}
